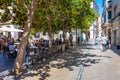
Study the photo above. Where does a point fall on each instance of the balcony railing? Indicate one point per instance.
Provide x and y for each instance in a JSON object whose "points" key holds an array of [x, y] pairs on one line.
{"points": [[109, 5]]}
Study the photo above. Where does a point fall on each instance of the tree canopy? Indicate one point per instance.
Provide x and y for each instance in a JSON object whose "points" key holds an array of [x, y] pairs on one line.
{"points": [[46, 16], [70, 13]]}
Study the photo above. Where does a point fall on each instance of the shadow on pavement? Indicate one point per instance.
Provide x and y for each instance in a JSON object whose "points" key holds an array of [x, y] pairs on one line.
{"points": [[86, 46], [117, 51], [65, 60], [61, 60]]}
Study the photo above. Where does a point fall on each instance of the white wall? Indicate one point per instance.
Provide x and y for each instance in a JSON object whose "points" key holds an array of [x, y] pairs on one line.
{"points": [[91, 32], [13, 34]]}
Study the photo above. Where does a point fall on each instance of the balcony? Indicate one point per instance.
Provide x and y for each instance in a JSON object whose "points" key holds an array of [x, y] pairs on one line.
{"points": [[105, 25], [109, 5]]}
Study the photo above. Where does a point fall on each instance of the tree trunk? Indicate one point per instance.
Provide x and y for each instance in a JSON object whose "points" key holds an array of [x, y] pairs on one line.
{"points": [[76, 36], [49, 30], [20, 56], [53, 35], [71, 37], [20, 34], [64, 41]]}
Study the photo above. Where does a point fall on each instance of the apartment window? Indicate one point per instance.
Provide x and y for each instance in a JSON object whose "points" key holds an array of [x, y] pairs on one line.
{"points": [[109, 1], [115, 9], [109, 15], [104, 18]]}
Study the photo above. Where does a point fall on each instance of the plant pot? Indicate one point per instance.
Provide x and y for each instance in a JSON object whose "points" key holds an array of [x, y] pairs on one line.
{"points": [[118, 46]]}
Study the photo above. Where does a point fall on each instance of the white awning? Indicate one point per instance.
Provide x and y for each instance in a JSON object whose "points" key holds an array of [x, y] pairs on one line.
{"points": [[3, 29]]}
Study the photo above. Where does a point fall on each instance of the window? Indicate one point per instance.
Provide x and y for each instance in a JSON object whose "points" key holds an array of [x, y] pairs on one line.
{"points": [[115, 9], [109, 15], [104, 18], [109, 1]]}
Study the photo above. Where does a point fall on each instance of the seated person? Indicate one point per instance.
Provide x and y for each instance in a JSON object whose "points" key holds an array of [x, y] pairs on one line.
{"points": [[12, 50], [11, 47], [5, 45]]}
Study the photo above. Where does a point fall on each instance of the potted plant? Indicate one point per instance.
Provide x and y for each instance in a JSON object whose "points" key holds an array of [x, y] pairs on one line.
{"points": [[118, 43]]}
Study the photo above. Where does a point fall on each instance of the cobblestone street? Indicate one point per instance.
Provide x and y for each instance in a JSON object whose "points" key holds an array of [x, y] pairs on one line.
{"points": [[5, 64], [106, 65], [94, 64], [59, 39]]}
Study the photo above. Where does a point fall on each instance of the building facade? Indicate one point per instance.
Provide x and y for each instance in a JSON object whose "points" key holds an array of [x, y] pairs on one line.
{"points": [[111, 20], [99, 28], [93, 30], [116, 22], [107, 18], [8, 24], [12, 34]]}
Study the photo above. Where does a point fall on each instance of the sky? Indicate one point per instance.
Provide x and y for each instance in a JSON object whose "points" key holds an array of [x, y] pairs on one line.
{"points": [[99, 3]]}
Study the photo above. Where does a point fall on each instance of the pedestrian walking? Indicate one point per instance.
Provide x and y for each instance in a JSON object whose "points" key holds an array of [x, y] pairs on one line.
{"points": [[96, 43], [108, 43], [104, 42], [87, 40], [99, 43]]}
